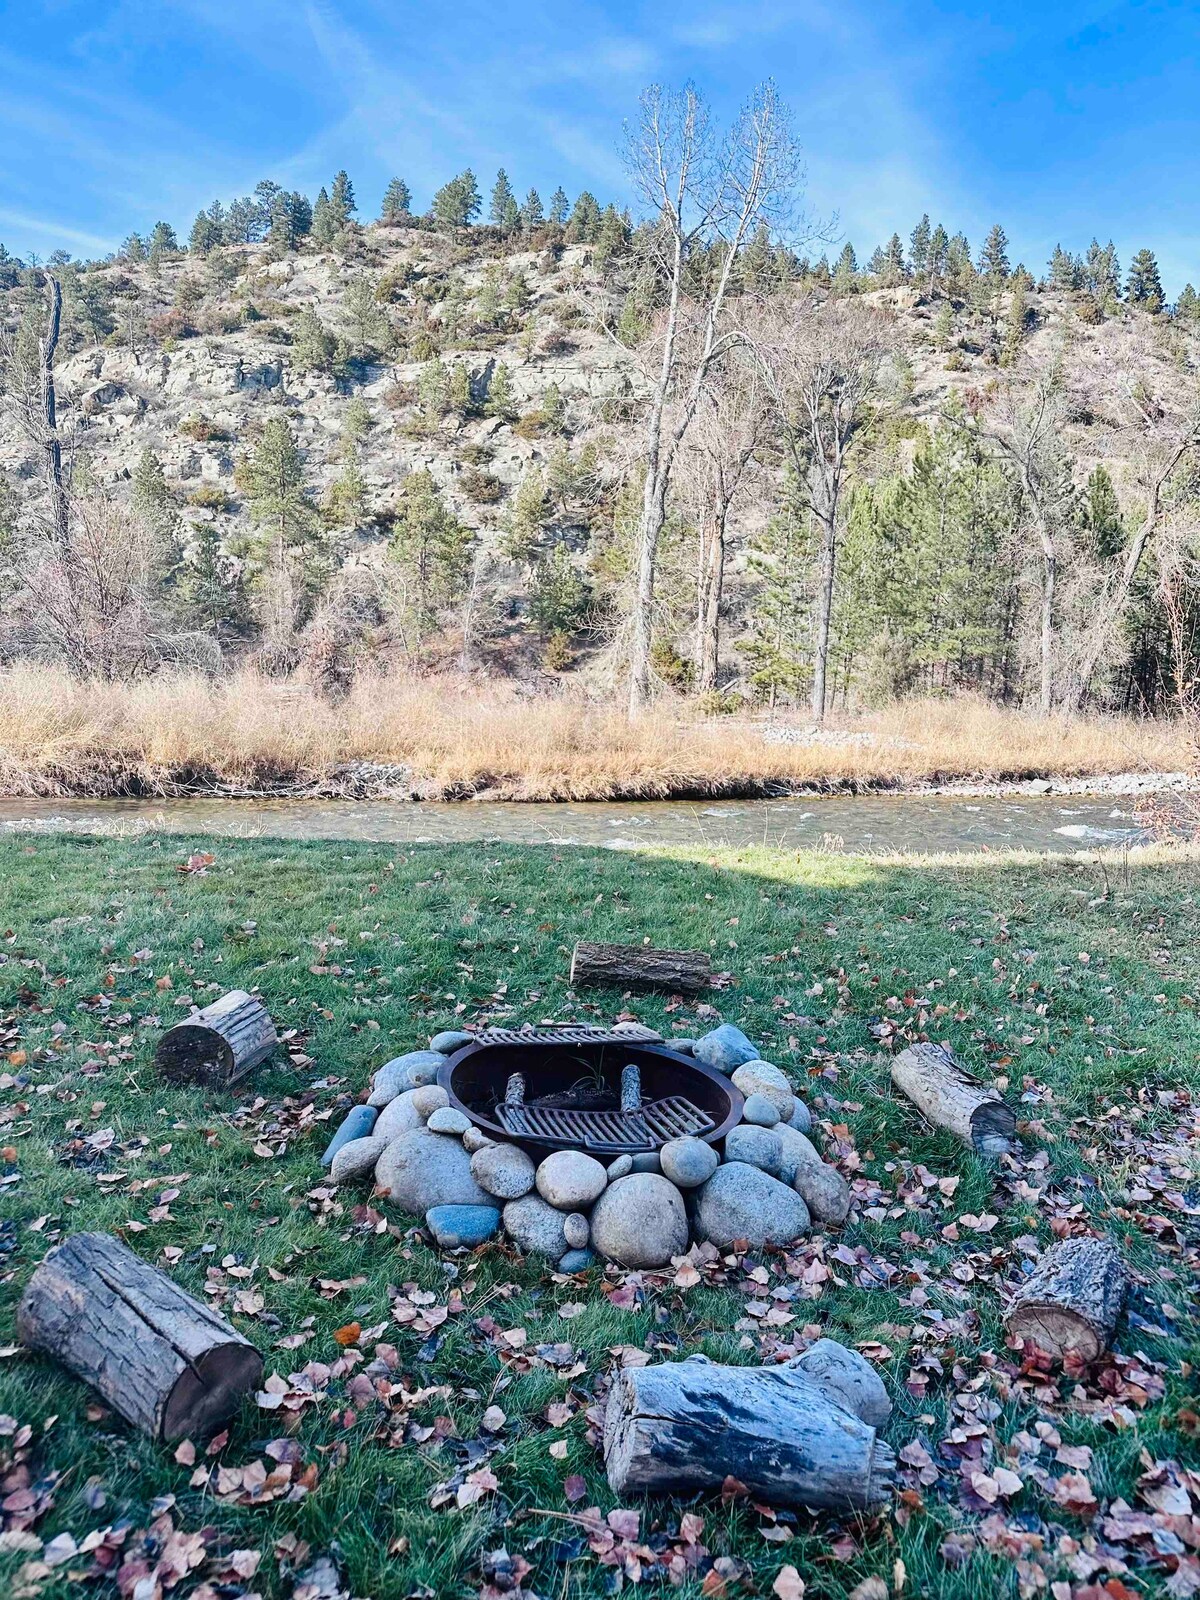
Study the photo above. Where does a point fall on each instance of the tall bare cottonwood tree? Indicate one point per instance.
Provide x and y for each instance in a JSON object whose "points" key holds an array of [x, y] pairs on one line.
{"points": [[705, 193]]}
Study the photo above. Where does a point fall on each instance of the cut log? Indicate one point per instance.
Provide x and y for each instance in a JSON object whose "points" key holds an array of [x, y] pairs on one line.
{"points": [[636, 966], [1071, 1301], [219, 1045], [949, 1097], [795, 1435], [171, 1366]]}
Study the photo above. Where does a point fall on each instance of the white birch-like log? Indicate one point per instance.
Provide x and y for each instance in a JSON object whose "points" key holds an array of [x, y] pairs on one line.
{"points": [[948, 1096], [1071, 1301], [794, 1434]]}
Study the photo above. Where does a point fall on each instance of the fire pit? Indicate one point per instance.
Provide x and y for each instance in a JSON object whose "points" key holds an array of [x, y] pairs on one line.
{"points": [[605, 1091]]}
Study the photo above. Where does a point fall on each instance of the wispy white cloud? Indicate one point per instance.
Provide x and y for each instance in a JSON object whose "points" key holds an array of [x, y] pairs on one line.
{"points": [[55, 233]]}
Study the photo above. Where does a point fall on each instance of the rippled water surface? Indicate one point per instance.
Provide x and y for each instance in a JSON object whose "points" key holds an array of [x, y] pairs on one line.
{"points": [[855, 823]]}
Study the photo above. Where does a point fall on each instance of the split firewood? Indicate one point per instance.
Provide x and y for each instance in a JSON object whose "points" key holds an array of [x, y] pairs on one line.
{"points": [[949, 1097], [803, 1433], [1071, 1301], [219, 1045], [171, 1366], [636, 966]]}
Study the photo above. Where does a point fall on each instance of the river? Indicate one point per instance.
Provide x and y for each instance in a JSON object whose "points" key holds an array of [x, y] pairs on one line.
{"points": [[868, 823]]}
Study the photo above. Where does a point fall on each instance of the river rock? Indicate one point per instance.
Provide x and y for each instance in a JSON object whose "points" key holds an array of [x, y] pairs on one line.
{"points": [[757, 1147], [620, 1168], [356, 1158], [576, 1260], [724, 1048], [429, 1098], [796, 1151], [475, 1139], [682, 1047], [503, 1170], [801, 1117], [451, 1040], [646, 1161], [536, 1227], [570, 1179], [760, 1111], [420, 1170], [455, 1227], [404, 1072], [743, 1202], [688, 1162], [640, 1221], [760, 1077], [399, 1116], [448, 1119], [577, 1230], [358, 1122], [824, 1191]]}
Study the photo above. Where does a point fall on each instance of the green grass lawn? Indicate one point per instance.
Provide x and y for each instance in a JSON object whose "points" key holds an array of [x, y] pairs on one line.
{"points": [[458, 1423]]}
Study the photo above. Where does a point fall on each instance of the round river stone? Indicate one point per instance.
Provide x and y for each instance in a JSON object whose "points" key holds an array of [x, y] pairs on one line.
{"points": [[758, 1147], [760, 1077], [420, 1170], [503, 1170], [569, 1179], [536, 1226], [356, 1158], [742, 1202], [640, 1221], [760, 1111], [724, 1048], [688, 1162]]}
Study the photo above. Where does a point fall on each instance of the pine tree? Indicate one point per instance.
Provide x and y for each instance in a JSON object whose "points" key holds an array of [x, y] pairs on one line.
{"points": [[959, 270], [528, 514], [397, 203], [584, 223], [532, 213], [757, 259], [993, 258], [1102, 517], [1187, 307], [503, 211], [324, 227], [559, 207], [1102, 274], [937, 256], [846, 271], [341, 200], [345, 504], [1144, 286], [459, 394], [558, 595], [285, 556], [877, 264], [456, 204], [431, 548], [162, 244], [1065, 273], [779, 560], [433, 389], [207, 231], [134, 248], [208, 586], [612, 237], [894, 268], [918, 248], [1018, 319], [314, 348], [367, 323], [517, 295], [499, 401]]}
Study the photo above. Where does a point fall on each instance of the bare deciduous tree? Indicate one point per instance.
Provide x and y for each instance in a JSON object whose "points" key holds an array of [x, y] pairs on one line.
{"points": [[704, 194], [823, 365]]}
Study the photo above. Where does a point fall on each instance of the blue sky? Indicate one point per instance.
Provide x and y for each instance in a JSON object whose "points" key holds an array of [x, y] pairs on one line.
{"points": [[1059, 120]]}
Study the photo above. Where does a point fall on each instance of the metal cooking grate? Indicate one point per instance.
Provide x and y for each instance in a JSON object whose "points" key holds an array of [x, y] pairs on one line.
{"points": [[609, 1131], [571, 1033]]}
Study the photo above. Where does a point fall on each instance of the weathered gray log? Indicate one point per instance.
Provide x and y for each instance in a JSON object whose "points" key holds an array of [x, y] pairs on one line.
{"points": [[795, 1435], [949, 1097], [1071, 1300], [219, 1045], [168, 1364], [636, 966], [631, 1087]]}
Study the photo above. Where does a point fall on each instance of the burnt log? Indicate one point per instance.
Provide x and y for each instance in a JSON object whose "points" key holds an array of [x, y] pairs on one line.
{"points": [[1071, 1301], [949, 1097], [168, 1364], [637, 966], [219, 1045], [800, 1434]]}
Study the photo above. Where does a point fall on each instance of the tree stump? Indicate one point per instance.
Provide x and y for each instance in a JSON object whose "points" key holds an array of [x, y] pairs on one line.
{"points": [[795, 1434], [171, 1366], [636, 966], [1071, 1301], [949, 1097], [219, 1045]]}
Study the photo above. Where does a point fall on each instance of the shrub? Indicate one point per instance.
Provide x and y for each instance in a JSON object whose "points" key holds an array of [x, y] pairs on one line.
{"points": [[205, 431], [424, 347], [476, 455], [557, 344], [533, 425], [482, 487], [171, 325], [674, 670], [211, 497], [557, 656]]}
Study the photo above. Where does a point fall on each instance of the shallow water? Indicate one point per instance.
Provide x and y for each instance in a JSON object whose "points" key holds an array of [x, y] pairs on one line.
{"points": [[869, 823]]}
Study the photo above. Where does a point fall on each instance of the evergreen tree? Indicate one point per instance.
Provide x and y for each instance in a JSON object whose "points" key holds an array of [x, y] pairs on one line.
{"points": [[877, 264], [154, 505], [345, 504], [460, 395], [432, 550], [208, 230], [584, 222], [1065, 272], [517, 295], [1144, 286], [918, 248], [503, 211], [894, 268], [1187, 307], [1102, 274], [937, 256], [433, 389], [162, 244], [612, 237], [341, 200], [558, 595], [208, 585], [242, 221], [456, 204], [134, 248], [286, 553], [993, 258], [366, 321], [1018, 318], [1102, 518], [757, 259], [528, 514], [959, 270], [532, 213], [846, 271], [324, 227], [291, 221], [779, 561], [397, 203], [499, 402], [314, 347], [559, 206]]}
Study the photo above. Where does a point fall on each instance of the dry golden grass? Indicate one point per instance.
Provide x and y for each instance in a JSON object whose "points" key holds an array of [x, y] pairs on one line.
{"points": [[458, 737]]}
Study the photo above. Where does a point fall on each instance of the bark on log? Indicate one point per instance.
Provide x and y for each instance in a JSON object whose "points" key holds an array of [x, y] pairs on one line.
{"points": [[171, 1366], [219, 1045], [795, 1434], [949, 1097], [636, 966], [1072, 1299]]}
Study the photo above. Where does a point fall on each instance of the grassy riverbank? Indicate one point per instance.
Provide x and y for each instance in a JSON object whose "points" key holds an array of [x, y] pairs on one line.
{"points": [[1079, 990], [452, 738]]}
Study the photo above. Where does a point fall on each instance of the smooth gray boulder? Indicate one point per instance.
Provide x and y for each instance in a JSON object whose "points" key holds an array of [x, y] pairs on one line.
{"points": [[503, 1170], [420, 1170], [358, 1122], [400, 1115], [404, 1072], [448, 1119], [571, 1180], [763, 1113], [758, 1147], [688, 1162], [640, 1221], [760, 1077], [475, 1139], [462, 1227], [724, 1048], [743, 1202], [825, 1192], [801, 1117], [536, 1227], [576, 1260], [646, 1161], [429, 1098], [450, 1040], [796, 1150], [620, 1168], [356, 1158], [577, 1230]]}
